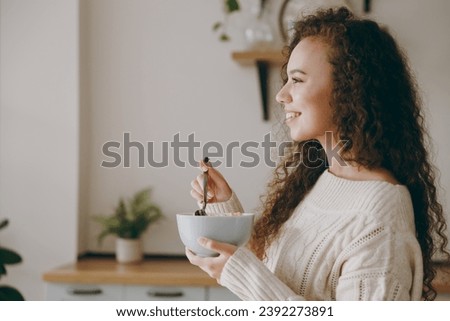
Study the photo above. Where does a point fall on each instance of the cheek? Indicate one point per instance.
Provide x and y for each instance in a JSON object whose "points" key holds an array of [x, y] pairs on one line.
{"points": [[319, 113], [316, 103], [322, 105], [324, 117], [313, 94]]}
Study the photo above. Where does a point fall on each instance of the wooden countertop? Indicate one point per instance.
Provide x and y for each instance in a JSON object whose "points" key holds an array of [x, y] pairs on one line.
{"points": [[162, 271], [152, 271]]}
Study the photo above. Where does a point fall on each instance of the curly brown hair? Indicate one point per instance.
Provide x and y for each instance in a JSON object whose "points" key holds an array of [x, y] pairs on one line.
{"points": [[377, 110]]}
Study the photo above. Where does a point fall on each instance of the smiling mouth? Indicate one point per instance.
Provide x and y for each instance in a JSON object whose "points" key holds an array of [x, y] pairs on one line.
{"points": [[292, 115]]}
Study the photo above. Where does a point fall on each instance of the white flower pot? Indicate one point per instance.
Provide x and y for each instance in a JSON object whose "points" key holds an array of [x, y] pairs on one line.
{"points": [[128, 250]]}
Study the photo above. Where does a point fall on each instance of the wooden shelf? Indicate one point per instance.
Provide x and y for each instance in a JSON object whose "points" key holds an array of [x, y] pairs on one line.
{"points": [[245, 57]]}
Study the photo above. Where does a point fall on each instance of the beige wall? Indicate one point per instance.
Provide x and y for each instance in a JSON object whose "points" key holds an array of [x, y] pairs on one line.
{"points": [[155, 70], [38, 136]]}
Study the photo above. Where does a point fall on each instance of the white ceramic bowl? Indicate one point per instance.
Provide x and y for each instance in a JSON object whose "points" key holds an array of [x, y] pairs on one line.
{"points": [[235, 230]]}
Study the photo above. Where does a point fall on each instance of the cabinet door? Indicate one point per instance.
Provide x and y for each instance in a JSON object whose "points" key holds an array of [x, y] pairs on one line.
{"points": [[83, 292], [221, 293], [164, 293], [443, 297]]}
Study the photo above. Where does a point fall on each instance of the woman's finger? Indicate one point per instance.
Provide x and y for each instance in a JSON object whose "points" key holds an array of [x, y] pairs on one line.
{"points": [[199, 184], [197, 196], [204, 167], [218, 188], [219, 247], [190, 255], [196, 186], [212, 265]]}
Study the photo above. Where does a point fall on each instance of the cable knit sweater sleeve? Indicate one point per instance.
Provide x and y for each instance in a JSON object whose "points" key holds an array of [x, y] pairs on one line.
{"points": [[233, 205], [244, 265], [261, 284]]}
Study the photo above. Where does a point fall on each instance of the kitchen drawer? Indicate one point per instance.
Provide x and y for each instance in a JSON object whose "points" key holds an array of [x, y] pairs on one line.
{"points": [[83, 292], [164, 293], [443, 297], [221, 294]]}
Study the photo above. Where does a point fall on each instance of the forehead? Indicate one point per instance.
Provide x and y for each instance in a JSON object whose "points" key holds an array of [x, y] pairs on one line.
{"points": [[309, 53]]}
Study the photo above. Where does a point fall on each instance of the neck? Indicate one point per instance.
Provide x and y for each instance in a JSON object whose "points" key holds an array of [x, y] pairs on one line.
{"points": [[357, 172], [351, 170], [345, 169], [338, 166]]}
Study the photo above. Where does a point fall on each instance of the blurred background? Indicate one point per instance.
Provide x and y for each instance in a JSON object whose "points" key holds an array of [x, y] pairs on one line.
{"points": [[76, 74]]}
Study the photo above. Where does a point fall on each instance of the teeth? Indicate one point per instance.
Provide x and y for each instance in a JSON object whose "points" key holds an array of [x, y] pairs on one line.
{"points": [[291, 115]]}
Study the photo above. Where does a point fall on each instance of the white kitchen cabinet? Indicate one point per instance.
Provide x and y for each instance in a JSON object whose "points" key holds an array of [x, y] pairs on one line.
{"points": [[220, 293], [163, 293], [154, 279], [83, 292], [109, 292], [443, 297]]}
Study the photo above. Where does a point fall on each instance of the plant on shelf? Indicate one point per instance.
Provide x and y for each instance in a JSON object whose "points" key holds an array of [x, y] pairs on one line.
{"points": [[7, 256], [129, 221], [229, 6]]}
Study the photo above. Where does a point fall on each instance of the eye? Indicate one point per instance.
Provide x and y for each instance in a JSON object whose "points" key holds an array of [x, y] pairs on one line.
{"points": [[296, 80]]}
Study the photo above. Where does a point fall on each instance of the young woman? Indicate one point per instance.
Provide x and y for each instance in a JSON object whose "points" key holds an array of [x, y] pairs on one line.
{"points": [[351, 213]]}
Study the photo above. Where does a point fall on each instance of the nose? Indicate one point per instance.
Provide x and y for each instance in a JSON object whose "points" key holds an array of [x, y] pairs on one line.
{"points": [[283, 96]]}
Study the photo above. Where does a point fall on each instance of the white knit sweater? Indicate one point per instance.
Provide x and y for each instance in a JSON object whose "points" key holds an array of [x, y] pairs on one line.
{"points": [[347, 240]]}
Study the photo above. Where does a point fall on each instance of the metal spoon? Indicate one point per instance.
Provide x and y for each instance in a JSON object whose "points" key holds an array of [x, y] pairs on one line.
{"points": [[202, 212]]}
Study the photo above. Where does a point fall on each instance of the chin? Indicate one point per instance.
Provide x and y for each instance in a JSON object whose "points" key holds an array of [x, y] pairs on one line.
{"points": [[299, 137]]}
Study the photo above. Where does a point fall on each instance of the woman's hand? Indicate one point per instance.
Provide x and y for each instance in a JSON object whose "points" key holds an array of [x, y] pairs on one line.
{"points": [[218, 188], [212, 265]]}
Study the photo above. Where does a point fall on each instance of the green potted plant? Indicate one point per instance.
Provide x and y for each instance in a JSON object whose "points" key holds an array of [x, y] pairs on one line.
{"points": [[130, 219], [7, 256]]}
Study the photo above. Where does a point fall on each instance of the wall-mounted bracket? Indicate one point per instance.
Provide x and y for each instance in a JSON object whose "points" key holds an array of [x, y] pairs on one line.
{"points": [[367, 6], [262, 60], [263, 75]]}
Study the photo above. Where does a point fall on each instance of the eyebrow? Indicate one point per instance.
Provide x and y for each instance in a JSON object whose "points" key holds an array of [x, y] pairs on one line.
{"points": [[294, 71]]}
